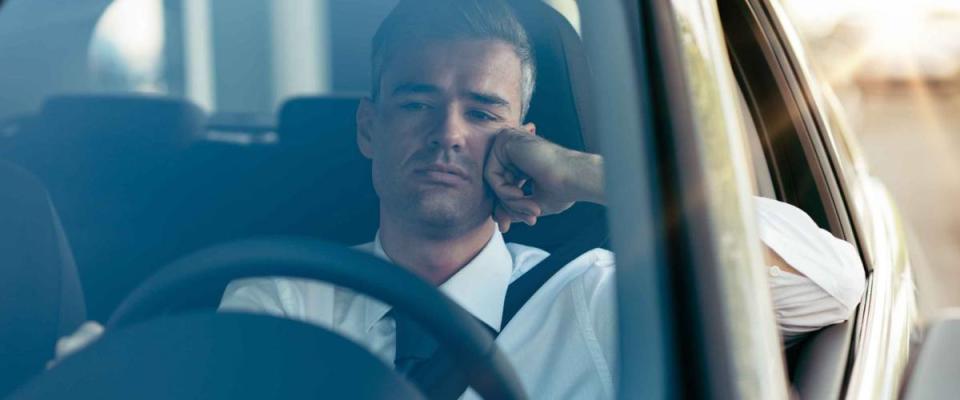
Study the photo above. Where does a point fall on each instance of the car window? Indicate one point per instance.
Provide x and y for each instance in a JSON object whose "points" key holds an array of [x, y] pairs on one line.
{"points": [[779, 123], [760, 168]]}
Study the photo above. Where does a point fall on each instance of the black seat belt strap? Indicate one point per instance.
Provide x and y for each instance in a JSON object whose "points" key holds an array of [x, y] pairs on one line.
{"points": [[440, 378], [524, 287]]}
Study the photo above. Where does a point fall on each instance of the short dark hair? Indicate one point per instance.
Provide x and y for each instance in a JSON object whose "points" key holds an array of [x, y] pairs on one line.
{"points": [[423, 20]]}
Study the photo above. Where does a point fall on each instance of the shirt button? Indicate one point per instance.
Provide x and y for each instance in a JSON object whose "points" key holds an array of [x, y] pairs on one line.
{"points": [[774, 270]]}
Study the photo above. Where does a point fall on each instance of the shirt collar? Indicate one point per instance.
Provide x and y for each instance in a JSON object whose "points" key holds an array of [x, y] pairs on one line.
{"points": [[479, 287]]}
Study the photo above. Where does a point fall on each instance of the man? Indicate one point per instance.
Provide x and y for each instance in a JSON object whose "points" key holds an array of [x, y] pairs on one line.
{"points": [[452, 80], [450, 155]]}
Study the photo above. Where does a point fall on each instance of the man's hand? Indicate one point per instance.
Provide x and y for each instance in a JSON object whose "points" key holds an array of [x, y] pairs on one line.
{"points": [[86, 334], [532, 177]]}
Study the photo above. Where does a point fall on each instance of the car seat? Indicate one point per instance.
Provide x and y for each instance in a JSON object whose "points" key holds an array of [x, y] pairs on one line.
{"points": [[40, 294], [113, 165]]}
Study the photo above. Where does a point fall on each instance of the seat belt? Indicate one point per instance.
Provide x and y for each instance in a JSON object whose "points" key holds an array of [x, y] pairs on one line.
{"points": [[523, 288], [439, 377]]}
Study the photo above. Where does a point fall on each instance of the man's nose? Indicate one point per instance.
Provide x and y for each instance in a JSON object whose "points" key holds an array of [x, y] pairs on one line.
{"points": [[450, 132]]}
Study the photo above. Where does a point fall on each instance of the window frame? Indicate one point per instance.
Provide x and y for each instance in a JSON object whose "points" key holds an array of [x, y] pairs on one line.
{"points": [[649, 364], [790, 78], [733, 349]]}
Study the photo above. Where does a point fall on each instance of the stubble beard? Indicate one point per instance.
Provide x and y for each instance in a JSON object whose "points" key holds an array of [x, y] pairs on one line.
{"points": [[443, 214], [436, 212]]}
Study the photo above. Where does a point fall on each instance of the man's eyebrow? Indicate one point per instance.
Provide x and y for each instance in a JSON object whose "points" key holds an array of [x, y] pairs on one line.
{"points": [[414, 88], [489, 99]]}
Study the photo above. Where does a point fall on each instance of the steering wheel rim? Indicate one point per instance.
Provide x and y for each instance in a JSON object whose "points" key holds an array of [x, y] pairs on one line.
{"points": [[488, 371]]}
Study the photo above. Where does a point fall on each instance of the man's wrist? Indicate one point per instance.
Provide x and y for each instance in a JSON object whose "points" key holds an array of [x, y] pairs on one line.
{"points": [[585, 177]]}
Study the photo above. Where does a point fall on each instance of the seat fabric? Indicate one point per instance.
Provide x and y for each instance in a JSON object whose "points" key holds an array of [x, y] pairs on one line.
{"points": [[113, 166]]}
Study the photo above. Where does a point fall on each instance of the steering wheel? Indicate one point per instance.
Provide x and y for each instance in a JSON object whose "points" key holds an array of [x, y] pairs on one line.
{"points": [[208, 271]]}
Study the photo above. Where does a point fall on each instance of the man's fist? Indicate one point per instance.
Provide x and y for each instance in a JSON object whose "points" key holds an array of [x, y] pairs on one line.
{"points": [[532, 177]]}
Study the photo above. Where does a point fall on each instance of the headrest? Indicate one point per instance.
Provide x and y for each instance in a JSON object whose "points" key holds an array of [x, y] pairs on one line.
{"points": [[317, 137], [560, 105], [320, 121], [147, 120]]}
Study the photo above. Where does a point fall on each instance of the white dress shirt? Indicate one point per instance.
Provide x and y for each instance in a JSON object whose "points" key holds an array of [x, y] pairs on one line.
{"points": [[562, 343], [833, 280]]}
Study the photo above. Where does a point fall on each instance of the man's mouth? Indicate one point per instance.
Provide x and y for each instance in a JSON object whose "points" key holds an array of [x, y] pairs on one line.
{"points": [[447, 174]]}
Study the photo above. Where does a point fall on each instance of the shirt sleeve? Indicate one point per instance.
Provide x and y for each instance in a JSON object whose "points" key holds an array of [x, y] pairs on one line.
{"points": [[597, 295], [602, 304], [833, 278], [253, 295]]}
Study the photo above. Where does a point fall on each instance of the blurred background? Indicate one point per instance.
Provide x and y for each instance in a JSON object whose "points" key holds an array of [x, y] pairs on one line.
{"points": [[895, 66]]}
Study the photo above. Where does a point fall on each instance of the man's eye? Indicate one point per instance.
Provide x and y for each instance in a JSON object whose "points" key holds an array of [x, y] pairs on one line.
{"points": [[415, 106], [482, 116]]}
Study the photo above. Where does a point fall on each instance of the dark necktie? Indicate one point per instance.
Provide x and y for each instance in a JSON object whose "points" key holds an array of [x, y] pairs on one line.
{"points": [[419, 359], [414, 345]]}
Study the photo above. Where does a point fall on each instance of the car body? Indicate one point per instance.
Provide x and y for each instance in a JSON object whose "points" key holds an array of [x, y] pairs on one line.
{"points": [[704, 104]]}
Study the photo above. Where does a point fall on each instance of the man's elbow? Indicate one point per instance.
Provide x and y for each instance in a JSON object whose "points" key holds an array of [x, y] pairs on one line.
{"points": [[804, 305], [850, 280], [802, 320]]}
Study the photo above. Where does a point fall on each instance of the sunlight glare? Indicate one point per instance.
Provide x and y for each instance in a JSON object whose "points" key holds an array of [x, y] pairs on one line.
{"points": [[894, 28], [130, 35]]}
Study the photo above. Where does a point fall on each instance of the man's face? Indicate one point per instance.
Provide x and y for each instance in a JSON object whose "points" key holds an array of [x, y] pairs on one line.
{"points": [[428, 133]]}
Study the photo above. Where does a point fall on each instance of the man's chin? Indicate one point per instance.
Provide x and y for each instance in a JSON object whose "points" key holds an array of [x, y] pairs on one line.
{"points": [[447, 213], [440, 214]]}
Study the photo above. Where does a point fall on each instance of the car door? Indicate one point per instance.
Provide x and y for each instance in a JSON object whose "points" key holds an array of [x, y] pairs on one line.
{"points": [[674, 74]]}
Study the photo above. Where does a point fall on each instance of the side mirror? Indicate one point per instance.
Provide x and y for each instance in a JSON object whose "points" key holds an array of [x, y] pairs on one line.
{"points": [[937, 368]]}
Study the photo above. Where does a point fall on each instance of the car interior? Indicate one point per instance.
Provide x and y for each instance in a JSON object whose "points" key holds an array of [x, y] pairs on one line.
{"points": [[137, 185], [112, 187]]}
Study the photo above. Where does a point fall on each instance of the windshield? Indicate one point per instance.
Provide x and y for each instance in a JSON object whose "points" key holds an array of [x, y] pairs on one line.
{"points": [[160, 127], [455, 139], [198, 86]]}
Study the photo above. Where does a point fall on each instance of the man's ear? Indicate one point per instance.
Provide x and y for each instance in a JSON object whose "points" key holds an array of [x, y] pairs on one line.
{"points": [[530, 128], [365, 114]]}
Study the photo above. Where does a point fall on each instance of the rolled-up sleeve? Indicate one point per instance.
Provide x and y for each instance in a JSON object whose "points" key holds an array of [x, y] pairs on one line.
{"points": [[833, 278]]}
